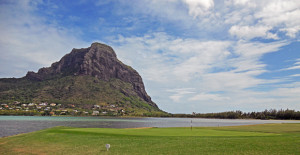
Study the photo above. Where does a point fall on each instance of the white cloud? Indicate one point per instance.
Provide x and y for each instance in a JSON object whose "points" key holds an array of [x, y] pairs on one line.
{"points": [[208, 97], [277, 99], [179, 93], [26, 36], [280, 13], [246, 19], [291, 31], [229, 81], [190, 66], [249, 32], [242, 2], [287, 92], [256, 49], [283, 14], [165, 56], [199, 8], [295, 66], [295, 75], [239, 71], [205, 55]]}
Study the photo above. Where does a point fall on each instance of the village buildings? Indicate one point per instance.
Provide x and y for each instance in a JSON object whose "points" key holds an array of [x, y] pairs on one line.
{"points": [[45, 108]]}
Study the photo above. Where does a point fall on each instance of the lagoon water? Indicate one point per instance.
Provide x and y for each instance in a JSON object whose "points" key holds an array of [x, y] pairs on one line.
{"points": [[12, 125]]}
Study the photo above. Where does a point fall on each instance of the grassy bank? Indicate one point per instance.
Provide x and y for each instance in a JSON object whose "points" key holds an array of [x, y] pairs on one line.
{"points": [[254, 139]]}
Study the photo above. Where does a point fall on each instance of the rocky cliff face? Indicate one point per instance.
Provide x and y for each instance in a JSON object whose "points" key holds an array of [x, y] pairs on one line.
{"points": [[99, 61]]}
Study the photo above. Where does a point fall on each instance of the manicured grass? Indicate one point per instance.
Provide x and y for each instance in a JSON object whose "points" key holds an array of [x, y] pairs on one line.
{"points": [[254, 139]]}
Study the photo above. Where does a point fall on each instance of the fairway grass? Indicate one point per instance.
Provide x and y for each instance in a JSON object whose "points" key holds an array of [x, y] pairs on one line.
{"points": [[251, 139]]}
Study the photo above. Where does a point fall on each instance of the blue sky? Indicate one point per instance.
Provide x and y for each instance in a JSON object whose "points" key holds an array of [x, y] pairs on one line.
{"points": [[193, 55]]}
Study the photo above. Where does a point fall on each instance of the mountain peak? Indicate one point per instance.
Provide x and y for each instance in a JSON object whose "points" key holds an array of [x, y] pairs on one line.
{"points": [[99, 47], [83, 61], [98, 60]]}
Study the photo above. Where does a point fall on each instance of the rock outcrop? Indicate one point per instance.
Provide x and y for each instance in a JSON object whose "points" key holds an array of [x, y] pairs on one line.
{"points": [[99, 61]]}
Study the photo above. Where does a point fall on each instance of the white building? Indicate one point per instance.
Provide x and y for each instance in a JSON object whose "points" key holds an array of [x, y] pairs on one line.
{"points": [[95, 113]]}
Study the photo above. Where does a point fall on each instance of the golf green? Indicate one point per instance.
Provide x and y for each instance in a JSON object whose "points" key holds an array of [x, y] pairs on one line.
{"points": [[251, 139]]}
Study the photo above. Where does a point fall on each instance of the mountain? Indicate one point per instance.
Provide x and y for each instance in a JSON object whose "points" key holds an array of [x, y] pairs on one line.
{"points": [[85, 77]]}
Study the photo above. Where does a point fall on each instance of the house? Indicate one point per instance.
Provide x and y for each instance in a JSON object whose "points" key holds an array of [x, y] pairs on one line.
{"points": [[71, 105], [4, 105], [31, 104], [43, 104], [53, 104], [38, 107], [24, 105], [112, 110], [17, 102], [47, 109], [95, 113], [104, 112], [112, 106], [96, 106]]}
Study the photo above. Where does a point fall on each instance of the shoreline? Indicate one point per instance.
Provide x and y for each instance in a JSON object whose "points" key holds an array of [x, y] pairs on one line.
{"points": [[12, 125], [152, 117]]}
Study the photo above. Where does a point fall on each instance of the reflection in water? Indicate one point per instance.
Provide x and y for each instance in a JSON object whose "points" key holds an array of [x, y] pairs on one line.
{"points": [[12, 125]]}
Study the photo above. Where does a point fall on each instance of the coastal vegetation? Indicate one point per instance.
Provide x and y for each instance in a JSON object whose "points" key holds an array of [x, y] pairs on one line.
{"points": [[105, 109], [266, 114], [251, 139]]}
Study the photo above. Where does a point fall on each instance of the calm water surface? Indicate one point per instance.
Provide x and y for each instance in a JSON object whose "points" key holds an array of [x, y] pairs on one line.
{"points": [[12, 125]]}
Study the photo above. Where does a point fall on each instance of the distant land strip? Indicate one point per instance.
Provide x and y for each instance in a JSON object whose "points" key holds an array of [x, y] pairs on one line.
{"points": [[53, 109]]}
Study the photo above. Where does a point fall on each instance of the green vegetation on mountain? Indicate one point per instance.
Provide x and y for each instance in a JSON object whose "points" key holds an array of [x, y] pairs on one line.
{"points": [[82, 91]]}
